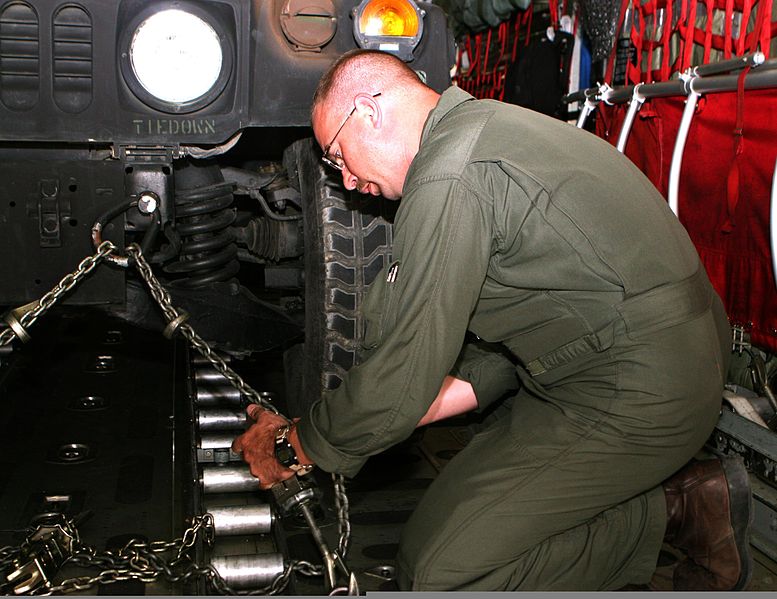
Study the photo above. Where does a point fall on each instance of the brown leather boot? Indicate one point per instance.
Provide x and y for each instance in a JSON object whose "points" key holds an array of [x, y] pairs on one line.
{"points": [[709, 512]]}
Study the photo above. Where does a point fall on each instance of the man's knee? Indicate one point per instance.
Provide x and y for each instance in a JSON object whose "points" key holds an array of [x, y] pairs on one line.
{"points": [[407, 559], [414, 570], [418, 577], [442, 567]]}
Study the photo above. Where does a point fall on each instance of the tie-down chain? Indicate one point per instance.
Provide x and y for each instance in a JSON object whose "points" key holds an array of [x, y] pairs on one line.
{"points": [[33, 564]]}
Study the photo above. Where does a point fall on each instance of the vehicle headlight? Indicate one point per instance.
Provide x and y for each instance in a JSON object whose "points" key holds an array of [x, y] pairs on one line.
{"points": [[394, 26], [176, 61]]}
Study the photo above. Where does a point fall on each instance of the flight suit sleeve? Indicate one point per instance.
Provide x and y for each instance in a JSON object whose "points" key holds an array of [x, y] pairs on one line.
{"points": [[418, 312], [489, 370]]}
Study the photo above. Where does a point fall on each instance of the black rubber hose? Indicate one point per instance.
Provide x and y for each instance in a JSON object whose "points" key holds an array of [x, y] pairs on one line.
{"points": [[114, 211]]}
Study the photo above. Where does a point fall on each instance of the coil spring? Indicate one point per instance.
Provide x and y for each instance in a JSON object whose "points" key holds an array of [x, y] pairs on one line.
{"points": [[208, 249]]}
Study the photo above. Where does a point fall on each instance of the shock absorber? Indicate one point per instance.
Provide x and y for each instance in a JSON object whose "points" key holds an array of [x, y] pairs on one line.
{"points": [[203, 214]]}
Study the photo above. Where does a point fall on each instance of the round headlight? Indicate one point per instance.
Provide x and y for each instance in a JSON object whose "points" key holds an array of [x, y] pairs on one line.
{"points": [[177, 61]]}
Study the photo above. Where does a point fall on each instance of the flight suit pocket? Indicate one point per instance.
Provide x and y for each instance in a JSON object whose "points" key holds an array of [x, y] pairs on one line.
{"points": [[377, 306], [574, 357]]}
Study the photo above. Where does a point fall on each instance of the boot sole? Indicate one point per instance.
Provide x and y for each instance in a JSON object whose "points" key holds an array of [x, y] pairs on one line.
{"points": [[740, 495]]}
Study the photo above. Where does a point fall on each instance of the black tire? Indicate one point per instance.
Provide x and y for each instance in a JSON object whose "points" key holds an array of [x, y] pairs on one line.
{"points": [[348, 240]]}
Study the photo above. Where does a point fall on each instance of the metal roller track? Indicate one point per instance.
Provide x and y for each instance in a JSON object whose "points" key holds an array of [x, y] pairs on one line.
{"points": [[216, 439], [217, 396], [209, 376], [232, 478], [216, 446], [221, 419], [249, 571], [242, 519], [248, 549]]}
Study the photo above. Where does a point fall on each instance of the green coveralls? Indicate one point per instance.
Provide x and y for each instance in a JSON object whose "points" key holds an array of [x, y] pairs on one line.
{"points": [[531, 233]]}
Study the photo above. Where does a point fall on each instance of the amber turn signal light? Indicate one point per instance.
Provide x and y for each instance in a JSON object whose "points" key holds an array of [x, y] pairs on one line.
{"points": [[389, 18]]}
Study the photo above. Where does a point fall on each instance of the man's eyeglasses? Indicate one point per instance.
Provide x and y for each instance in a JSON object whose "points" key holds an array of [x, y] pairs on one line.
{"points": [[336, 161]]}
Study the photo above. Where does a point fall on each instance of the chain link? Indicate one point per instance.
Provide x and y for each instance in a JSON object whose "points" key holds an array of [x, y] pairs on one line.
{"points": [[69, 281], [342, 507], [177, 320], [142, 561], [278, 585], [172, 315], [138, 560]]}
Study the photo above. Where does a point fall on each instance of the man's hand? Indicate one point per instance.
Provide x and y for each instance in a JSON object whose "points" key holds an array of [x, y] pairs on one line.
{"points": [[258, 447]]}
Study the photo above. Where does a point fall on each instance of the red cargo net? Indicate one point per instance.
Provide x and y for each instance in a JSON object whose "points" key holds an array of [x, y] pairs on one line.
{"points": [[666, 37], [483, 58], [729, 158], [724, 191]]}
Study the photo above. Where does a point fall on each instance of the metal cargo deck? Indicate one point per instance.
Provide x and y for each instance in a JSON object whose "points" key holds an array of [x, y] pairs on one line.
{"points": [[98, 422]]}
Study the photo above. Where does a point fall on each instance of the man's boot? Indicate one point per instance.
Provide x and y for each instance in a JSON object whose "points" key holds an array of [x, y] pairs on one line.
{"points": [[709, 512]]}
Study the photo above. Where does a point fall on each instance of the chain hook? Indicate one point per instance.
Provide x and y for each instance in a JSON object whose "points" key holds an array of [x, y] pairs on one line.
{"points": [[15, 317], [21, 318], [97, 241]]}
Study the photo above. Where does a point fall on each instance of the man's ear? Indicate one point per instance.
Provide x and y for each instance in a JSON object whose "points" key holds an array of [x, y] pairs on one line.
{"points": [[368, 107]]}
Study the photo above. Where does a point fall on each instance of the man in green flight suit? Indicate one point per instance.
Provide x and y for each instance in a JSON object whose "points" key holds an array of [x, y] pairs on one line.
{"points": [[544, 241]]}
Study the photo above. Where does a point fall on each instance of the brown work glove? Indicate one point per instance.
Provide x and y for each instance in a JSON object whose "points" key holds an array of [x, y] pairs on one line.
{"points": [[258, 446]]}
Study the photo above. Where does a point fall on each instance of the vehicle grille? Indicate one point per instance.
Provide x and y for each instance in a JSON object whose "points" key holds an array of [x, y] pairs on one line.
{"points": [[72, 50], [19, 57]]}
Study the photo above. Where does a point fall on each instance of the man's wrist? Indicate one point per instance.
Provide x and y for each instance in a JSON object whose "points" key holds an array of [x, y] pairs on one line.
{"points": [[288, 450], [297, 444]]}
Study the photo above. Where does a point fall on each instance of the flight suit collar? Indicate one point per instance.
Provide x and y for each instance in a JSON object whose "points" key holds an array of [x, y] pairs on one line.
{"points": [[450, 99]]}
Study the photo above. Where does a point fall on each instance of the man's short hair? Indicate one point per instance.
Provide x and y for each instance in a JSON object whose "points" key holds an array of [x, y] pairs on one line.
{"points": [[372, 70]]}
